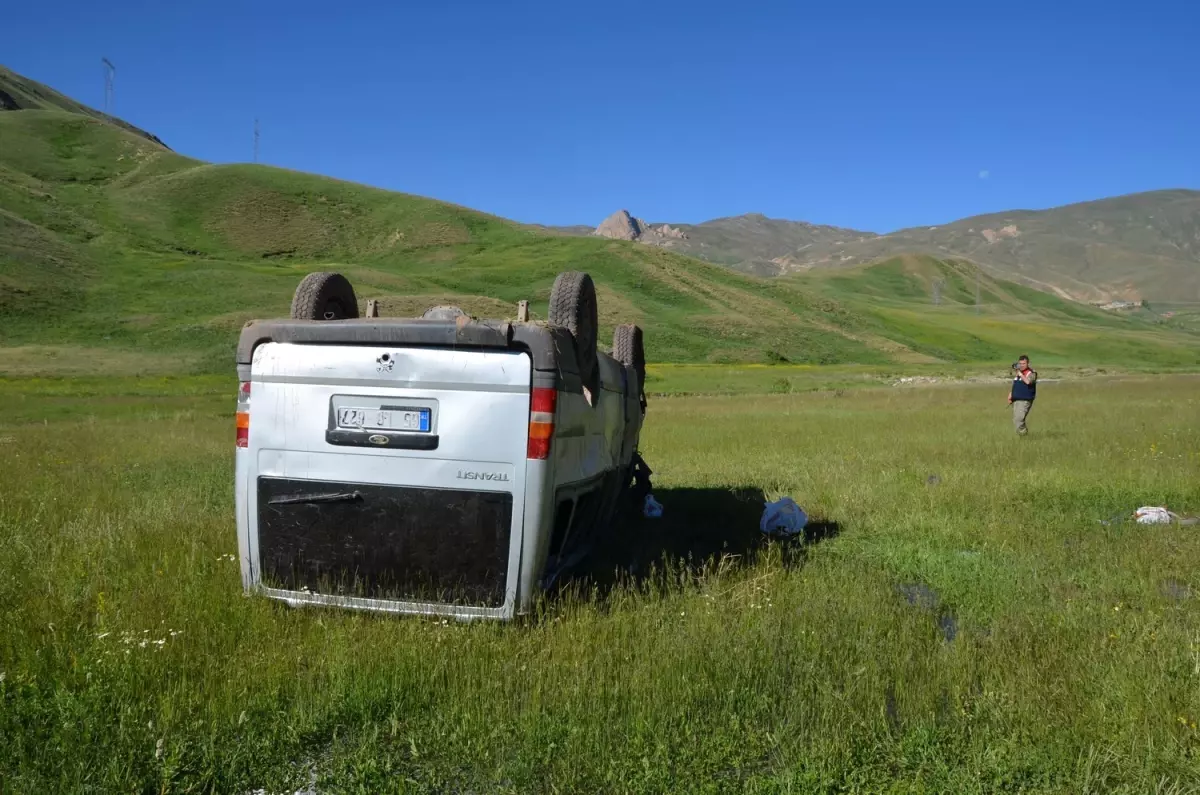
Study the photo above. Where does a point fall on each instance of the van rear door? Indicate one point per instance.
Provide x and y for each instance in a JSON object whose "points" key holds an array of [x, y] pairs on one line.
{"points": [[388, 477]]}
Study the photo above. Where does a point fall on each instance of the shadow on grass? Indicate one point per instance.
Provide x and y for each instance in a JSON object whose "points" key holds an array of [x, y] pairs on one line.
{"points": [[699, 527]]}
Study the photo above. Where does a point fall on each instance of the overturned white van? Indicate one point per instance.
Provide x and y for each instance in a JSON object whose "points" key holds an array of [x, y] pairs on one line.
{"points": [[441, 465]]}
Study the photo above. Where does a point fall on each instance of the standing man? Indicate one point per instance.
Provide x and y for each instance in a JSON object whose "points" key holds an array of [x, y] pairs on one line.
{"points": [[1021, 393]]}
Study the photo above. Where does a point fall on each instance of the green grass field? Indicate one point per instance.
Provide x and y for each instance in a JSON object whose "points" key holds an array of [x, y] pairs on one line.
{"points": [[982, 634]]}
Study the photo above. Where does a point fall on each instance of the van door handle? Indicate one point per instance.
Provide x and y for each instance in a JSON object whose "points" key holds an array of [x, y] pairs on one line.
{"points": [[337, 496]]}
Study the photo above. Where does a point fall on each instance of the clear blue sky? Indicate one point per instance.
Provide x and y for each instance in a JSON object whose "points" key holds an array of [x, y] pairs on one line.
{"points": [[871, 114]]}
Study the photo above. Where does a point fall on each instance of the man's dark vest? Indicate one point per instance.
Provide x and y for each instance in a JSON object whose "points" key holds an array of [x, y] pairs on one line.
{"points": [[1022, 390]]}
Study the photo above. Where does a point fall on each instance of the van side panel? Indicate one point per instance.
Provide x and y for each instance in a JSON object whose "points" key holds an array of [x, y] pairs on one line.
{"points": [[588, 438]]}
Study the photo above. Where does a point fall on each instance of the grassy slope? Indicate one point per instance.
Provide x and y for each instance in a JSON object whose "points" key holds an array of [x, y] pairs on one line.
{"points": [[124, 244], [1010, 319], [1144, 244], [28, 94], [112, 244]]}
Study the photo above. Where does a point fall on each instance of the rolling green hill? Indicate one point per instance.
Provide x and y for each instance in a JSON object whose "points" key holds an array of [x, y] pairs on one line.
{"points": [[21, 93], [118, 255]]}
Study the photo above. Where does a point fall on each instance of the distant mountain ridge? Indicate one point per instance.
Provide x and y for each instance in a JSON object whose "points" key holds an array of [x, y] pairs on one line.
{"points": [[1133, 247]]}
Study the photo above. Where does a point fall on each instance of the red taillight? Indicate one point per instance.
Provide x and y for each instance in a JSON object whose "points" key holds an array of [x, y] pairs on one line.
{"points": [[243, 415], [541, 423], [544, 401]]}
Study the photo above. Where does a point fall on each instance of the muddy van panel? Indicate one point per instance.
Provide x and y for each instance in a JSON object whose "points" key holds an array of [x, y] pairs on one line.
{"points": [[385, 542]]}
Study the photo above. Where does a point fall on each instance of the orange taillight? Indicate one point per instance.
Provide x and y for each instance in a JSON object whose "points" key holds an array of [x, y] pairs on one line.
{"points": [[243, 415], [542, 406]]}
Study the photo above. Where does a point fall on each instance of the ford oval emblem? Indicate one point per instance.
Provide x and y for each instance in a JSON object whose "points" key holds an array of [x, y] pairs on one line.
{"points": [[377, 438]]}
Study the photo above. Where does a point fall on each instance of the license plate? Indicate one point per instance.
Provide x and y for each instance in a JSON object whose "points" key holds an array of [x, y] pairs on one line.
{"points": [[384, 419]]}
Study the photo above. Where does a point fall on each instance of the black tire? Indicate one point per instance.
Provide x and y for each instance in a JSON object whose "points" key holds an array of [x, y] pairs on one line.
{"points": [[629, 351], [324, 296], [573, 307]]}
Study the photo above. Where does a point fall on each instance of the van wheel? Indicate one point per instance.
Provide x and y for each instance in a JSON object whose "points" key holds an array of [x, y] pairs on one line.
{"points": [[573, 307], [628, 350], [324, 296]]}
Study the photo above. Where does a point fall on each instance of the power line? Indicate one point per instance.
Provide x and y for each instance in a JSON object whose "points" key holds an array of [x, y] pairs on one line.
{"points": [[110, 74]]}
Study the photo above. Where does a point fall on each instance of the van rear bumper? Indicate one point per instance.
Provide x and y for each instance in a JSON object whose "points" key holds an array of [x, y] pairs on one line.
{"points": [[551, 349], [393, 607]]}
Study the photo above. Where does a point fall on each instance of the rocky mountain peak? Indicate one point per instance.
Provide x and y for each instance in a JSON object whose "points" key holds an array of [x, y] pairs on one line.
{"points": [[623, 226], [620, 226]]}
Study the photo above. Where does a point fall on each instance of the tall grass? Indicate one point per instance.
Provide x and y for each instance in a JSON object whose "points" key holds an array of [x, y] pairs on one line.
{"points": [[977, 631]]}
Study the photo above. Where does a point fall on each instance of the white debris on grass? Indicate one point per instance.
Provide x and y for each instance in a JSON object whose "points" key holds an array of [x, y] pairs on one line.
{"points": [[131, 640], [1152, 514], [311, 789]]}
